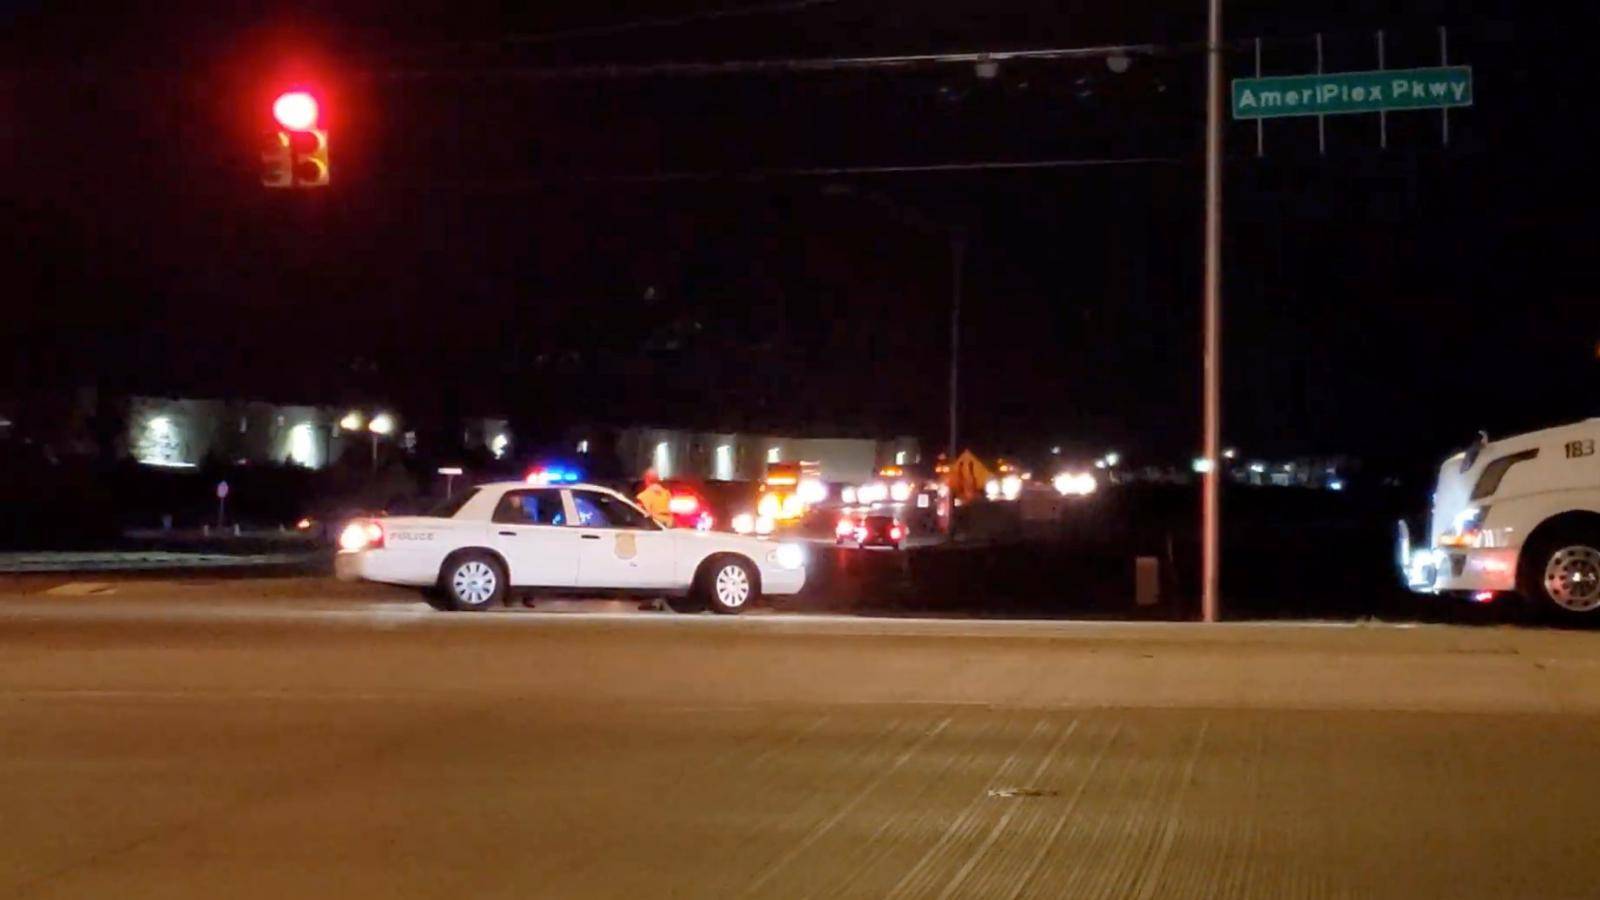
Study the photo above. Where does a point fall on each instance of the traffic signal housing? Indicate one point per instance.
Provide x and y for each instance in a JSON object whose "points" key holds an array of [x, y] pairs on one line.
{"points": [[309, 155], [296, 155], [277, 163]]}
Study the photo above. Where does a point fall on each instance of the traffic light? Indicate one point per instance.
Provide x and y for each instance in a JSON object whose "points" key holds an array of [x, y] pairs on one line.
{"points": [[309, 150], [277, 164], [297, 154]]}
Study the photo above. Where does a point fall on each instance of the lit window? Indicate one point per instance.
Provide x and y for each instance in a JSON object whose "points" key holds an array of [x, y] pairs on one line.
{"points": [[662, 461], [774, 454], [724, 465], [583, 446], [900, 457], [303, 446]]}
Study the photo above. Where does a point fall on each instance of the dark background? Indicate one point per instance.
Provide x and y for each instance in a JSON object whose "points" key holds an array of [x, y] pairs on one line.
{"points": [[508, 234]]}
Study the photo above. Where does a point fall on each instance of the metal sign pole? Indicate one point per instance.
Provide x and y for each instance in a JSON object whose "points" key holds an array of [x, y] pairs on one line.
{"points": [[1261, 124], [1383, 117], [1444, 60], [1322, 121], [1211, 485]]}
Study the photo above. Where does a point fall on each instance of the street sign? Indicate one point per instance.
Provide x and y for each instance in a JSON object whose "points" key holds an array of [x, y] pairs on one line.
{"points": [[1338, 93]]}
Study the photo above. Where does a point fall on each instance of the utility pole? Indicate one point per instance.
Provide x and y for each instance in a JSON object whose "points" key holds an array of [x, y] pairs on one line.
{"points": [[958, 252], [1210, 532]]}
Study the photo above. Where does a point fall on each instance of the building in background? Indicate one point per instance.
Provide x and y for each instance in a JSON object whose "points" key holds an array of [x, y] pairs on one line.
{"points": [[736, 456], [179, 433], [490, 434]]}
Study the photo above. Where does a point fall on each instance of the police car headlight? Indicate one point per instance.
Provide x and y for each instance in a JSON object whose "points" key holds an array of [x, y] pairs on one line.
{"points": [[789, 556]]}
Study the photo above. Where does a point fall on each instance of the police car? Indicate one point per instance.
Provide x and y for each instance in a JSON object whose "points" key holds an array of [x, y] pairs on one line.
{"points": [[577, 538]]}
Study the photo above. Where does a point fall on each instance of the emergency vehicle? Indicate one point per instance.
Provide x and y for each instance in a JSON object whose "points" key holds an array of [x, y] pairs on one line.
{"points": [[1516, 515], [562, 537]]}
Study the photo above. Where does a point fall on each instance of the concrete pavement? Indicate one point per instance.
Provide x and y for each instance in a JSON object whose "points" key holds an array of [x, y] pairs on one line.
{"points": [[225, 740]]}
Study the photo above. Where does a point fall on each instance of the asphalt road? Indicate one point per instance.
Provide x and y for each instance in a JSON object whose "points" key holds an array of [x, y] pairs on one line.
{"points": [[301, 739]]}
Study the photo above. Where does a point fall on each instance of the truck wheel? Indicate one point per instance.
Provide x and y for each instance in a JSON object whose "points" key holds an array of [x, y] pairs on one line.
{"points": [[729, 585], [473, 582], [1561, 572]]}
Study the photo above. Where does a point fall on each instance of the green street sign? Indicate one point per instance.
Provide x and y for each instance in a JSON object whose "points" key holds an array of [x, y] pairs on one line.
{"points": [[1337, 93]]}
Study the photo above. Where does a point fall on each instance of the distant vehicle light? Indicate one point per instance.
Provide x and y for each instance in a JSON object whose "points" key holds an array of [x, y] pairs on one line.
{"points": [[789, 556], [782, 480], [847, 495], [900, 491], [846, 526], [683, 505], [743, 523], [876, 492], [769, 506], [295, 110], [1336, 485], [792, 507], [812, 490], [991, 489], [1011, 487], [1483, 597], [303, 524], [765, 525], [352, 421], [896, 532]]}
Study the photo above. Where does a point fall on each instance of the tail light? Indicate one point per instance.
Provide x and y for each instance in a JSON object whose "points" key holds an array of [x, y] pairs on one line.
{"points": [[684, 504], [896, 532], [844, 527], [361, 535]]}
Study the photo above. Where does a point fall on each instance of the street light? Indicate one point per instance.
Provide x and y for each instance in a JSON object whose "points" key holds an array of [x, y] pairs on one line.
{"points": [[381, 424]]}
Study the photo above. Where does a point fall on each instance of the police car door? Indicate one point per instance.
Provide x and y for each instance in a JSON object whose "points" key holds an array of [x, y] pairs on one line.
{"points": [[619, 546]]}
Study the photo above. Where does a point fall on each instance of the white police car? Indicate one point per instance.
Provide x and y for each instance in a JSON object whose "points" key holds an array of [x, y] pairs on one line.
{"points": [[555, 538]]}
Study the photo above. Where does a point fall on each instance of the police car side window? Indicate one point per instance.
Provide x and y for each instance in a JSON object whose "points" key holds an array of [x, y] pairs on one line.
{"points": [[597, 510], [534, 507]]}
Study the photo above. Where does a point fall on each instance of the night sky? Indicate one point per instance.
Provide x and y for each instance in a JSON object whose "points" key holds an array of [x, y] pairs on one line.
{"points": [[508, 233]]}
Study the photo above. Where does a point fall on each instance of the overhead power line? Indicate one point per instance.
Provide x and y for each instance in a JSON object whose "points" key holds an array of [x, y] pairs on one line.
{"points": [[695, 18], [521, 184], [758, 66]]}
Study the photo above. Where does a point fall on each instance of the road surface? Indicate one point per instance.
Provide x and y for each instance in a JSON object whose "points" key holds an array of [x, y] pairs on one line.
{"points": [[301, 739]]}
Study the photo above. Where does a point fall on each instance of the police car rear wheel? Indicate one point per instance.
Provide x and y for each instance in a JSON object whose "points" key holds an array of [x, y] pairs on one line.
{"points": [[473, 582]]}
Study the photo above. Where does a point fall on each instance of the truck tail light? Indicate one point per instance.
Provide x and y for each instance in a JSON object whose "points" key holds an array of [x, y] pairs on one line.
{"points": [[684, 504], [361, 535]]}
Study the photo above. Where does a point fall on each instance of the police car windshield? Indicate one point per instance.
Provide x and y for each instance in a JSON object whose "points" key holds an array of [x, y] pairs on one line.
{"points": [[449, 506]]}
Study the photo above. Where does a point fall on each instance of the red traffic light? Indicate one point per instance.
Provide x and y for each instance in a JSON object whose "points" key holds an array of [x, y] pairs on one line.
{"points": [[295, 111]]}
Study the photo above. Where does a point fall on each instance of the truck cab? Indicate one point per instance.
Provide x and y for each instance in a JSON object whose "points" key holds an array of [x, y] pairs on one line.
{"points": [[1516, 515]]}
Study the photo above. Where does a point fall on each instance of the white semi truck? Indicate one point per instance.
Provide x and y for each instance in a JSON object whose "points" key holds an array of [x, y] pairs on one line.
{"points": [[1516, 515]]}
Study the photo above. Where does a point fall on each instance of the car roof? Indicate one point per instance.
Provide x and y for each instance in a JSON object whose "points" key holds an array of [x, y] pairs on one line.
{"points": [[576, 485]]}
